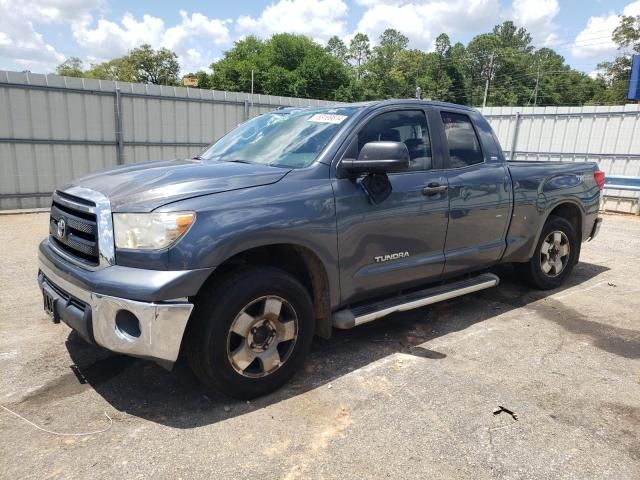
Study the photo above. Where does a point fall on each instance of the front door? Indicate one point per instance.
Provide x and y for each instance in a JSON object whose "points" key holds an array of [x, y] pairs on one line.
{"points": [[398, 242]]}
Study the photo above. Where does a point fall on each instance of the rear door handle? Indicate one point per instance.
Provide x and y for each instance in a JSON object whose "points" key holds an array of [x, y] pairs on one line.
{"points": [[433, 188]]}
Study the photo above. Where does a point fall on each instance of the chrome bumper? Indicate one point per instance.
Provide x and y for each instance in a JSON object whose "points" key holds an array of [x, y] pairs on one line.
{"points": [[161, 324]]}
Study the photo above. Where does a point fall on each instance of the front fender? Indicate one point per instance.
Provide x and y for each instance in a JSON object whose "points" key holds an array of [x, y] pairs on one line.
{"points": [[300, 211]]}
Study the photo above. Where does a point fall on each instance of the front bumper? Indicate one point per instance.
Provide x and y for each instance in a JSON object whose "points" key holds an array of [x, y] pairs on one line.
{"points": [[96, 315]]}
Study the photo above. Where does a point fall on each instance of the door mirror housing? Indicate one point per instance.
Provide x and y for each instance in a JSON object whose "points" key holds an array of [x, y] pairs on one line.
{"points": [[379, 157]]}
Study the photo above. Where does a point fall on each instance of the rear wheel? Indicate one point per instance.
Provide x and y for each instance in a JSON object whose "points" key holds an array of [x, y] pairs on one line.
{"points": [[554, 257], [251, 331]]}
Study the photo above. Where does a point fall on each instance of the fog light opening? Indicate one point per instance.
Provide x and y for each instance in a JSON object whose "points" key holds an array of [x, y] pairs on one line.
{"points": [[128, 323]]}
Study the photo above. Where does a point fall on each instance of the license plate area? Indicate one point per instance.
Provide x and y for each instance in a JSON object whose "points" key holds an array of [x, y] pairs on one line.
{"points": [[49, 300]]}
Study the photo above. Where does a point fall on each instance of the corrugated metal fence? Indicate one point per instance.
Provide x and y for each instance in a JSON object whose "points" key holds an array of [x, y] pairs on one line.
{"points": [[54, 129], [608, 135]]}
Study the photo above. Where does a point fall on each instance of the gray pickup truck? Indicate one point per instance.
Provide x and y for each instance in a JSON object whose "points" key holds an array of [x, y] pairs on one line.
{"points": [[299, 221]]}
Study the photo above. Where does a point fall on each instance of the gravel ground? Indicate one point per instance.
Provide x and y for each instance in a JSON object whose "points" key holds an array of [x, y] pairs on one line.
{"points": [[416, 395]]}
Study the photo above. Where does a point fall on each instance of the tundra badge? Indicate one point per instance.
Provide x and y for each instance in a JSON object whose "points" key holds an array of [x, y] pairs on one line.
{"points": [[392, 256]]}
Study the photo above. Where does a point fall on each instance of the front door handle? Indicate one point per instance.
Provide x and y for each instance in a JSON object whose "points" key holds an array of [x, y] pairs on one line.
{"points": [[433, 188]]}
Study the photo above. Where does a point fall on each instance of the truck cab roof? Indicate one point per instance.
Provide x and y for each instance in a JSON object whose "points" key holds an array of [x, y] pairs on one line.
{"points": [[412, 102]]}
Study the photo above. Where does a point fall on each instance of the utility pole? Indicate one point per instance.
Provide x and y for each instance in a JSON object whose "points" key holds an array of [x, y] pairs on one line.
{"points": [[486, 91], [535, 91], [486, 85], [252, 89]]}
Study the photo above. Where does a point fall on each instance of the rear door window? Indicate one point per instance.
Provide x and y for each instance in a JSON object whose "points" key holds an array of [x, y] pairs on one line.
{"points": [[464, 146]]}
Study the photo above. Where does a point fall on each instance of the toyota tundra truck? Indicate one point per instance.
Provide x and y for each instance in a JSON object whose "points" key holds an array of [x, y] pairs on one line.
{"points": [[300, 221]]}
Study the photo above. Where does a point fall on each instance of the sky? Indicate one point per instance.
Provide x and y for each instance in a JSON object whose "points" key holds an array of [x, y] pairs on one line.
{"points": [[37, 35]]}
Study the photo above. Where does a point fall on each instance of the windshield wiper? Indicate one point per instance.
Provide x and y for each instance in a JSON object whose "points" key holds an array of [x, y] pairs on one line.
{"points": [[218, 159]]}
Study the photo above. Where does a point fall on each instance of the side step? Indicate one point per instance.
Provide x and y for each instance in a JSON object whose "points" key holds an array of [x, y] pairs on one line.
{"points": [[349, 318]]}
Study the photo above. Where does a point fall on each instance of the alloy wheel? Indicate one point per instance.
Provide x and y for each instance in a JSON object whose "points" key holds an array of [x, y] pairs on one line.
{"points": [[554, 253], [262, 336]]}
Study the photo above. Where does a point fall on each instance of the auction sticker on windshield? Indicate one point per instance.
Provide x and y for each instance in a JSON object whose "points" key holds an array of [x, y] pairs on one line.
{"points": [[327, 118]]}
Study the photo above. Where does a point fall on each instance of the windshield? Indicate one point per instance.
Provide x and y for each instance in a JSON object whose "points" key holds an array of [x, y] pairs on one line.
{"points": [[288, 138]]}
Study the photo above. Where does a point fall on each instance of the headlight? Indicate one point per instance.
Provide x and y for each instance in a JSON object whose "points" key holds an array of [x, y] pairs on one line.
{"points": [[150, 231]]}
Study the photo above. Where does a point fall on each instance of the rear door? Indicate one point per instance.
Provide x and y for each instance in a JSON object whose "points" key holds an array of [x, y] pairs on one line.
{"points": [[398, 242], [479, 193]]}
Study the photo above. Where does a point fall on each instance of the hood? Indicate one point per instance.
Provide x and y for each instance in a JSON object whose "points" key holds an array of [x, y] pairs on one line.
{"points": [[146, 186]]}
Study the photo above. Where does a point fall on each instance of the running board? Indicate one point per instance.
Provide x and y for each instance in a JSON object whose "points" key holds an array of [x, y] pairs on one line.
{"points": [[349, 318]]}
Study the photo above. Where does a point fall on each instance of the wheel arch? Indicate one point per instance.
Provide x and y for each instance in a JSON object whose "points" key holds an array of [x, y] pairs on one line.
{"points": [[570, 211], [299, 261], [523, 236], [567, 209]]}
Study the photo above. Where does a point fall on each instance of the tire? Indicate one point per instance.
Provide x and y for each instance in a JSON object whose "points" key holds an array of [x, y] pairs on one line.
{"points": [[543, 271], [251, 330]]}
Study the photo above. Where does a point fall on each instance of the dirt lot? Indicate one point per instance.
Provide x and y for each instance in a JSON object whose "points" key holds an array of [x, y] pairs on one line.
{"points": [[412, 396]]}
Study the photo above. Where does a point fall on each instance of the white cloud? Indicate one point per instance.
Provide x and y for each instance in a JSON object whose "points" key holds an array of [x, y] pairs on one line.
{"points": [[52, 11], [594, 41], [632, 9], [594, 74], [372, 3], [318, 19], [21, 45], [197, 26], [422, 21], [191, 39], [194, 38], [109, 39], [537, 17], [59, 10]]}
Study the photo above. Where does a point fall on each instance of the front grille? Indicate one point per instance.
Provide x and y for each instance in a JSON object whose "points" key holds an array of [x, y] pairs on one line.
{"points": [[79, 237]]}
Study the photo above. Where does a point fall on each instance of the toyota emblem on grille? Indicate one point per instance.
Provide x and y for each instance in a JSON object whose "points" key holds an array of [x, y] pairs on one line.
{"points": [[62, 228]]}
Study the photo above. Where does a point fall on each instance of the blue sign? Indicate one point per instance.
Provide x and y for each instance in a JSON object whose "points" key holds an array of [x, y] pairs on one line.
{"points": [[634, 81]]}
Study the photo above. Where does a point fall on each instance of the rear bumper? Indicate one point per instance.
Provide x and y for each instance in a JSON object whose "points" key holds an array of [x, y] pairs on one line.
{"points": [[596, 228], [147, 329]]}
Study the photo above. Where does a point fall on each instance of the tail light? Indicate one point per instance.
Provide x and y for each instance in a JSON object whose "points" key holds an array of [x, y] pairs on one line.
{"points": [[599, 177]]}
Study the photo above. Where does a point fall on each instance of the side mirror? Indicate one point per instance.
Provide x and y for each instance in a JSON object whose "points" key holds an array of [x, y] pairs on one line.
{"points": [[379, 157]]}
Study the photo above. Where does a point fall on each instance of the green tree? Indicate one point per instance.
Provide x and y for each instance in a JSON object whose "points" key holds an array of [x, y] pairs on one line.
{"points": [[71, 67], [627, 34], [555, 83], [233, 71], [118, 69], [441, 79], [504, 59], [479, 64], [286, 64], [460, 86], [359, 52], [615, 75], [295, 65], [410, 70], [382, 62], [337, 48], [158, 67], [204, 79], [142, 64]]}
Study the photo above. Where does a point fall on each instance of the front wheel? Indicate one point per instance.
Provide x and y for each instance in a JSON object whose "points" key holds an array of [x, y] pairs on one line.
{"points": [[554, 256], [251, 331]]}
